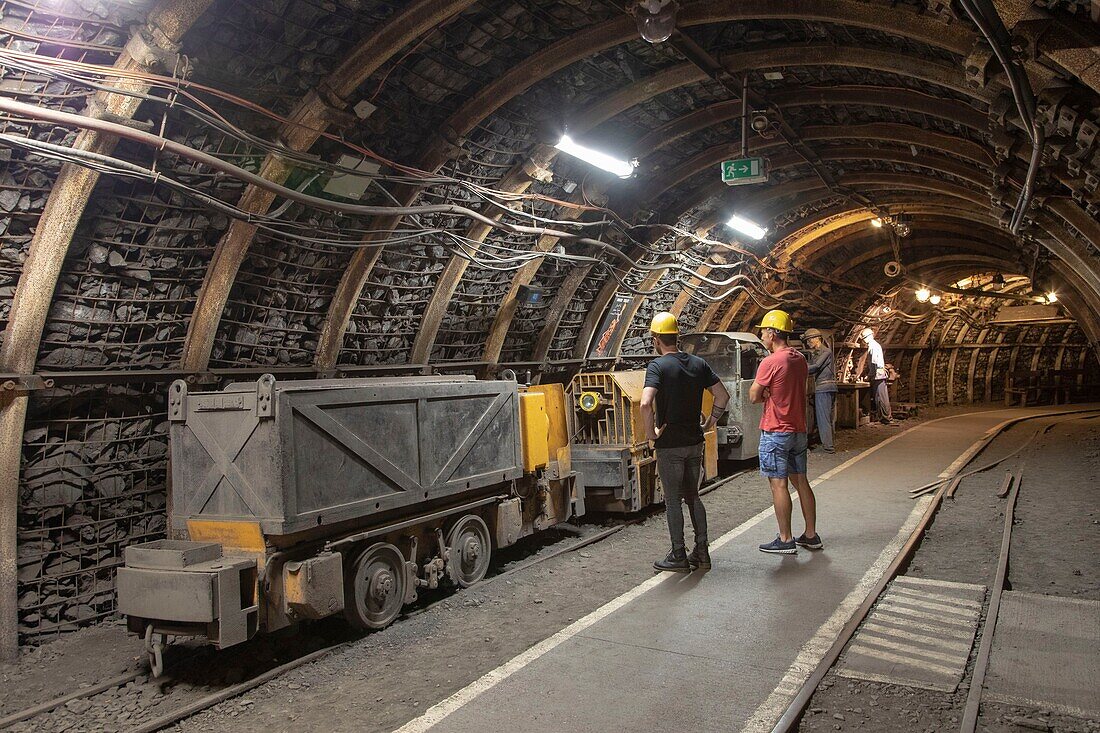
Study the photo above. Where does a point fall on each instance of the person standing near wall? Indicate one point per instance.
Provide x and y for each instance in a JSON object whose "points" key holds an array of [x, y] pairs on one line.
{"points": [[823, 370], [879, 377], [673, 398], [781, 385]]}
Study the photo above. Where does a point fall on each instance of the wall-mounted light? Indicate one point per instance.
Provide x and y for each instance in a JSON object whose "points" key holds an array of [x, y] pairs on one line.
{"points": [[923, 294], [621, 168], [935, 299], [1052, 297], [746, 227], [656, 19], [876, 223]]}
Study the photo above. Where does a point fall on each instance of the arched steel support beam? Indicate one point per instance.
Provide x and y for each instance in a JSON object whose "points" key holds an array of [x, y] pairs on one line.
{"points": [[705, 161], [856, 95], [311, 118], [165, 26], [609, 34]]}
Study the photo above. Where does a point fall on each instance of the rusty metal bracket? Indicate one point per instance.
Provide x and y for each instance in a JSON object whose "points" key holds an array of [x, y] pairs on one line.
{"points": [[177, 401], [150, 53], [98, 110], [24, 383], [265, 396]]}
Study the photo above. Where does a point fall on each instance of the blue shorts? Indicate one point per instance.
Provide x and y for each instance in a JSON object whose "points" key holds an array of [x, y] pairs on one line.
{"points": [[782, 454]]}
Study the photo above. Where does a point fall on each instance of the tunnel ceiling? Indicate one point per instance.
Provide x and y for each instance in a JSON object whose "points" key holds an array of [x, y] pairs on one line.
{"points": [[126, 254]]}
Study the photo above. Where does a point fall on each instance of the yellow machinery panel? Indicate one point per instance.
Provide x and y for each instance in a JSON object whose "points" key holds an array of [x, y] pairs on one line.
{"points": [[535, 430], [618, 419], [710, 455], [243, 536], [556, 412]]}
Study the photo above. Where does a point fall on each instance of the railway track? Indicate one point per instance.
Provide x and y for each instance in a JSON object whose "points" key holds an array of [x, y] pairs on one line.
{"points": [[944, 487], [28, 718]]}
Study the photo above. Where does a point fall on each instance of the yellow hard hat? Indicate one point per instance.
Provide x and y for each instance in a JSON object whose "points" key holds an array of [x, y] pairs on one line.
{"points": [[664, 323], [779, 320]]}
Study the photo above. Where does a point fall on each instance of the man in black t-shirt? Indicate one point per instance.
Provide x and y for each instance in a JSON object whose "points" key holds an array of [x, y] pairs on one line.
{"points": [[674, 384]]}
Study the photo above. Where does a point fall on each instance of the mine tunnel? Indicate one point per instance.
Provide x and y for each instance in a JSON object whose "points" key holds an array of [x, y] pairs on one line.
{"points": [[320, 315]]}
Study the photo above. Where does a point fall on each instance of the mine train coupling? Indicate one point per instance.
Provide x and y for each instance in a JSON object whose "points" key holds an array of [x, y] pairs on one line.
{"points": [[294, 500]]}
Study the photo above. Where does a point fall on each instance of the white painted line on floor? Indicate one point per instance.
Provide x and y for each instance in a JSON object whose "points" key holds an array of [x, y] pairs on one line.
{"points": [[763, 719], [906, 660], [928, 638], [872, 641], [885, 605], [899, 680], [962, 634], [806, 658], [923, 605], [917, 580], [924, 595]]}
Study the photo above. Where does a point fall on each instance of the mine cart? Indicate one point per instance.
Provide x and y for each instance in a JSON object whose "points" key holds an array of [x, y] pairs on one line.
{"points": [[734, 357], [610, 448], [300, 499]]}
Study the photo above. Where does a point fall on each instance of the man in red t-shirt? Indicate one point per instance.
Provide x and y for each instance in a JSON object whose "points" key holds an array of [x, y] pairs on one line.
{"points": [[781, 385]]}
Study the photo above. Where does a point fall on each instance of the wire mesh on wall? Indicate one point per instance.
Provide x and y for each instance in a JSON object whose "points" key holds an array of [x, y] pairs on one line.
{"points": [[92, 482]]}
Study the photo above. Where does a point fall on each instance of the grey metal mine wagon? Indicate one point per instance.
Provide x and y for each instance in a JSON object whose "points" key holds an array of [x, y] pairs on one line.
{"points": [[301, 499], [734, 356]]}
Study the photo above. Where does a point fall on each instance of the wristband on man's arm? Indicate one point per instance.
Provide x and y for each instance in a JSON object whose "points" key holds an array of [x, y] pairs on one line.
{"points": [[716, 412]]}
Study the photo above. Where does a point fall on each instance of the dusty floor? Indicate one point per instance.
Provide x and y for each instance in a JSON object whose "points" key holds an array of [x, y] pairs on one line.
{"points": [[383, 679], [1057, 523]]}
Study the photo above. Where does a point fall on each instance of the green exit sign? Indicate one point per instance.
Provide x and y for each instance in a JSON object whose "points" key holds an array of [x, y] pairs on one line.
{"points": [[743, 170]]}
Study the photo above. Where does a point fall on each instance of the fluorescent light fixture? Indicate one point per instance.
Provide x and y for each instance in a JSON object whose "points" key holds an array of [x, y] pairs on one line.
{"points": [[603, 161], [773, 75], [876, 223], [923, 295], [746, 227], [1052, 297], [935, 299]]}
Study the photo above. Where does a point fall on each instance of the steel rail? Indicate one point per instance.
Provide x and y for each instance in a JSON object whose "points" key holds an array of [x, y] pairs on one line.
{"points": [[981, 663], [45, 707], [791, 717]]}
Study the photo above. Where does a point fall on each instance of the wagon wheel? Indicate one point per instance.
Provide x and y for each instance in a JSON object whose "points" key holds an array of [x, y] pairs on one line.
{"points": [[471, 548], [374, 590]]}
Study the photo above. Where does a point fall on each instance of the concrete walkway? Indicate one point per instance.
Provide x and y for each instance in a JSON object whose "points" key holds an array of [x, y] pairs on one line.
{"points": [[727, 649]]}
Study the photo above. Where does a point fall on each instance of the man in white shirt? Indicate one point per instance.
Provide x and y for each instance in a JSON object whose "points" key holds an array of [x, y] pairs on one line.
{"points": [[879, 375]]}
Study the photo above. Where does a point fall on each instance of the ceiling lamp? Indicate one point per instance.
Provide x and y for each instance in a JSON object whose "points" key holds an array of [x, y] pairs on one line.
{"points": [[656, 19], [621, 168], [902, 229], [1052, 297], [935, 299], [876, 223], [746, 227], [923, 294]]}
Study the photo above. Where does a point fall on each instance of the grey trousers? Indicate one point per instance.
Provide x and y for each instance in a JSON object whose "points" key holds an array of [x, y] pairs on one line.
{"points": [[882, 400], [681, 472], [823, 411]]}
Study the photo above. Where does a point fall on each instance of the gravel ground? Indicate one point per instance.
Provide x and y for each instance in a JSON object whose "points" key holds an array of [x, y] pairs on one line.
{"points": [[380, 680], [1057, 501]]}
